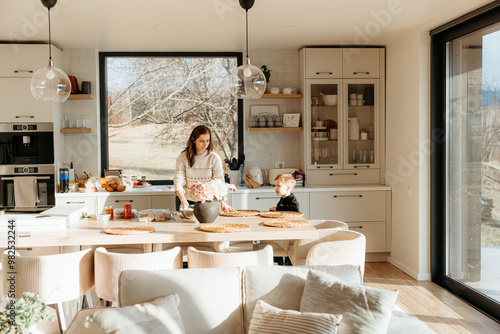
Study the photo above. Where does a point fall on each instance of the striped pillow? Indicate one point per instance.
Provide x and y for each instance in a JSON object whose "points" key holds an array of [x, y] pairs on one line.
{"points": [[270, 320]]}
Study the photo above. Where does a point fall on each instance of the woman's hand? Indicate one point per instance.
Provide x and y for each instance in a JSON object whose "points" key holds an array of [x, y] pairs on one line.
{"points": [[226, 208], [183, 203], [272, 209]]}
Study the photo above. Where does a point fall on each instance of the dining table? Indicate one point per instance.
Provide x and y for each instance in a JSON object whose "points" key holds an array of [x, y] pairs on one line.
{"points": [[90, 231]]}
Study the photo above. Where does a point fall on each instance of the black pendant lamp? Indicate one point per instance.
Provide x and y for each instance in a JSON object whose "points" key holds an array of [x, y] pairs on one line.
{"points": [[247, 81], [50, 83]]}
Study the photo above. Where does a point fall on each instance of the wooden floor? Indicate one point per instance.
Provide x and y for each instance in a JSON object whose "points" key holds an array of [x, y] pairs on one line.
{"points": [[438, 308]]}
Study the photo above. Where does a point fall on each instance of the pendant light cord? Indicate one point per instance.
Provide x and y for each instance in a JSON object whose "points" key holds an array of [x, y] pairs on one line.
{"points": [[246, 11], [50, 41]]}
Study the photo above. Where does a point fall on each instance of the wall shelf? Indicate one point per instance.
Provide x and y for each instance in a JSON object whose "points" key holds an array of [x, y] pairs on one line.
{"points": [[80, 97], [275, 129], [282, 96], [76, 130]]}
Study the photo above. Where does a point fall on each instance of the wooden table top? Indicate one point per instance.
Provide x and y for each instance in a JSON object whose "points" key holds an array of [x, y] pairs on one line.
{"points": [[89, 231]]}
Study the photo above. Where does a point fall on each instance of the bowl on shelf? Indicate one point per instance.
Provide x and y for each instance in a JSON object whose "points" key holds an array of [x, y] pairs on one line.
{"points": [[329, 100]]}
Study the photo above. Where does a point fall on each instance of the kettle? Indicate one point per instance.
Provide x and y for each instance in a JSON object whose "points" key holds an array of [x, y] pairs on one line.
{"points": [[256, 173]]}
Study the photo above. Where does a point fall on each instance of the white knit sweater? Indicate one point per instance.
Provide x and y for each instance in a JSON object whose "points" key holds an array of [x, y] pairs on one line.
{"points": [[206, 167]]}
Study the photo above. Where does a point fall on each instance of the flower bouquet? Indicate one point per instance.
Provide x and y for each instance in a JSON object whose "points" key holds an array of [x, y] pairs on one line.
{"points": [[16, 316], [214, 190]]}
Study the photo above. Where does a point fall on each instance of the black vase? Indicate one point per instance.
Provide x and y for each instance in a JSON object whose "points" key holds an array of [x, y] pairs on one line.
{"points": [[206, 212]]}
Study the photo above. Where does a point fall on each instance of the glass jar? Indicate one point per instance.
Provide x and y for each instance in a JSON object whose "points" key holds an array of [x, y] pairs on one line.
{"points": [[127, 211], [109, 209]]}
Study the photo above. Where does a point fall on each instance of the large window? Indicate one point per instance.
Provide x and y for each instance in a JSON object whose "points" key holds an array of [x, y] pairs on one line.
{"points": [[152, 101], [466, 162]]}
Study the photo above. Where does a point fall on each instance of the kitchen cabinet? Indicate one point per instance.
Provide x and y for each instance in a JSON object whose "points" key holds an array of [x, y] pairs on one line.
{"points": [[90, 202], [263, 201], [18, 105], [23, 60], [360, 63], [323, 62], [163, 202], [375, 234], [138, 202]]}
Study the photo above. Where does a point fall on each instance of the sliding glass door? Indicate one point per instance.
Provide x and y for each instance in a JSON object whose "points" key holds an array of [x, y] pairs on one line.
{"points": [[466, 165]]}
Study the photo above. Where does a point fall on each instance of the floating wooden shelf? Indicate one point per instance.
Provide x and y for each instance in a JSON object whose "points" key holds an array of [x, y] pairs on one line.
{"points": [[282, 96], [275, 129], [80, 97], [76, 130]]}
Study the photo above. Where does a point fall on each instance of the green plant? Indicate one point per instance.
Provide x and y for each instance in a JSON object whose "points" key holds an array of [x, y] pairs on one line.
{"points": [[267, 73], [16, 316]]}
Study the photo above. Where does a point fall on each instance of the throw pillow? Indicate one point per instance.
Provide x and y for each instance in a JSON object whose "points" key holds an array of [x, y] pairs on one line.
{"points": [[269, 319], [365, 309], [158, 316]]}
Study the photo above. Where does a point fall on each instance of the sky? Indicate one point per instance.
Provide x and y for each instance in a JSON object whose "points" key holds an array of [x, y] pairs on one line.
{"points": [[491, 58]]}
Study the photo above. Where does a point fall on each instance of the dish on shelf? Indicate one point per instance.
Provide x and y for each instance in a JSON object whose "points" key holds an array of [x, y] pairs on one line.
{"points": [[319, 128], [330, 124], [321, 139]]}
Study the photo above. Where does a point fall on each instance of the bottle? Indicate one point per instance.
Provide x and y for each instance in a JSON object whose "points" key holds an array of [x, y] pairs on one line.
{"points": [[127, 211], [71, 173], [109, 210], [242, 175], [64, 178]]}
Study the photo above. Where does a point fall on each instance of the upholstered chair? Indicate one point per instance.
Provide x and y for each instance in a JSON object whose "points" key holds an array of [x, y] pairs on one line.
{"points": [[57, 278], [203, 259], [216, 246], [109, 265]]}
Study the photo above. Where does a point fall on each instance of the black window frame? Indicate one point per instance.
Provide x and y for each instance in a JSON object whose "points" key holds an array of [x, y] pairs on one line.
{"points": [[103, 97], [473, 21]]}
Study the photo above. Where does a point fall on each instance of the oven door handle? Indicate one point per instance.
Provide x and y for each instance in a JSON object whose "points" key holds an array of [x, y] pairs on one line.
{"points": [[38, 178]]}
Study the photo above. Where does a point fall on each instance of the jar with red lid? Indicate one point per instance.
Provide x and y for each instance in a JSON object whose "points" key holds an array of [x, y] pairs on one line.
{"points": [[127, 211]]}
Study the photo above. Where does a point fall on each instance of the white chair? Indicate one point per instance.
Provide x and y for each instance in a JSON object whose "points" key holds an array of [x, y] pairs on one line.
{"points": [[217, 246], [109, 265], [202, 259], [342, 247], [299, 248], [124, 249], [57, 278]]}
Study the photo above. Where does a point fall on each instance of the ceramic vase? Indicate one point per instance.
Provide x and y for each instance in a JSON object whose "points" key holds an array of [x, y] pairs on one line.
{"points": [[206, 212]]}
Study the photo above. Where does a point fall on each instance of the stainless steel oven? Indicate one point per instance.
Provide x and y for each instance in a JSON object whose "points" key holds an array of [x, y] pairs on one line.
{"points": [[26, 143], [43, 189]]}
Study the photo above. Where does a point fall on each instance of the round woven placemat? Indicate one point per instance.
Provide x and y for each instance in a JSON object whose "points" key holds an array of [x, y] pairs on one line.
{"points": [[224, 228], [241, 213], [286, 223], [281, 214], [129, 230]]}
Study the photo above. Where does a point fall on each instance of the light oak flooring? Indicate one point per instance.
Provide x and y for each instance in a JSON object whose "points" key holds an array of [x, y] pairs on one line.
{"points": [[437, 307]]}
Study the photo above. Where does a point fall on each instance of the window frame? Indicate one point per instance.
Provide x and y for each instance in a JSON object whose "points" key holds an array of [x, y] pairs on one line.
{"points": [[104, 94]]}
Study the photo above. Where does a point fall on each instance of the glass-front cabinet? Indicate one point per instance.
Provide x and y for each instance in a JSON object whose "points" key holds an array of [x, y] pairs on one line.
{"points": [[342, 123]]}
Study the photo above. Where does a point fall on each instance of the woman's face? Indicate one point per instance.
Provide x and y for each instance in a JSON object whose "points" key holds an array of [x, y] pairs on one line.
{"points": [[202, 143]]}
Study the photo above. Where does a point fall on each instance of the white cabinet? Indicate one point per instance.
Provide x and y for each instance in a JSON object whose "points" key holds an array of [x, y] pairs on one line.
{"points": [[374, 232], [323, 62], [18, 105], [359, 63], [89, 201], [23, 60], [163, 202], [264, 201], [138, 202]]}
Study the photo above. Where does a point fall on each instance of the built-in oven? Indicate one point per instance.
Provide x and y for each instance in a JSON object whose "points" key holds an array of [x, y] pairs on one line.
{"points": [[28, 188], [26, 143]]}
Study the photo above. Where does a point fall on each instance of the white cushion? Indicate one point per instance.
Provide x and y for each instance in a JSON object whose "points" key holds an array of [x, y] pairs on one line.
{"points": [[282, 286], [158, 316], [210, 299], [366, 310], [269, 319]]}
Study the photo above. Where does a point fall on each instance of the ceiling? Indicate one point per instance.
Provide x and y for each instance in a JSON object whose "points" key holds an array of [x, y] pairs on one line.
{"points": [[214, 25]]}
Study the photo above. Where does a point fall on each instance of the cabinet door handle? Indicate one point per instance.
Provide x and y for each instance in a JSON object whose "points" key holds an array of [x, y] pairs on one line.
{"points": [[23, 116], [19, 71], [338, 196], [123, 200], [355, 226], [332, 174], [360, 73], [82, 202], [265, 198], [362, 166], [330, 73]]}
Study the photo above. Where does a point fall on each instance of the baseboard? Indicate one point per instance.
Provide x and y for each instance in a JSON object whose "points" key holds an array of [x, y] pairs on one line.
{"points": [[408, 271], [376, 257]]}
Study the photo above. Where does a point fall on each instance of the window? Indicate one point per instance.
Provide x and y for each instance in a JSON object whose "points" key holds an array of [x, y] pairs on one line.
{"points": [[466, 161], [151, 102]]}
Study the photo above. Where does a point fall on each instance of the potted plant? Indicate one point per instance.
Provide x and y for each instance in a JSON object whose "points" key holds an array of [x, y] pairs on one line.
{"points": [[17, 316], [267, 74]]}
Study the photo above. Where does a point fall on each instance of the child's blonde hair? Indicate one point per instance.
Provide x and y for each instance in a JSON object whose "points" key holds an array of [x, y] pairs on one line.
{"points": [[286, 178]]}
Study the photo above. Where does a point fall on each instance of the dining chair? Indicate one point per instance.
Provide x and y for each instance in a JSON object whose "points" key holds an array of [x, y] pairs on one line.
{"points": [[203, 259], [57, 278], [109, 265], [216, 246], [341, 247]]}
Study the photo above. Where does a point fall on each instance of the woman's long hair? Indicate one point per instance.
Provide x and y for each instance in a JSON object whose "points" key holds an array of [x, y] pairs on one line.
{"points": [[191, 146]]}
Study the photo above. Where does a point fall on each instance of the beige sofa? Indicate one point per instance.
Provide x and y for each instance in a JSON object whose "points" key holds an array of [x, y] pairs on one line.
{"points": [[222, 300]]}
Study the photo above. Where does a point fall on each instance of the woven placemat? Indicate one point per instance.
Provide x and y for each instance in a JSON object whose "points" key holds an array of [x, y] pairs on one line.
{"points": [[286, 223], [281, 214], [241, 213], [129, 230], [224, 228]]}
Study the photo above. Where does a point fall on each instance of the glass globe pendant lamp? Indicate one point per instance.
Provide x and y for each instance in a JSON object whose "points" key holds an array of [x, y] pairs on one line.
{"points": [[247, 81], [50, 83]]}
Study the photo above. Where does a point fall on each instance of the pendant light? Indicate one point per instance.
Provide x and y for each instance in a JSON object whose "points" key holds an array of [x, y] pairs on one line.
{"points": [[247, 81], [50, 83]]}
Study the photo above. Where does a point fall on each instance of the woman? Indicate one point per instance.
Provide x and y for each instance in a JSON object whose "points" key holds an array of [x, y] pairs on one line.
{"points": [[198, 164]]}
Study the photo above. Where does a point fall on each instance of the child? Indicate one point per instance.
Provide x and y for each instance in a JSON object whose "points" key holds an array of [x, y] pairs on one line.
{"points": [[283, 186]]}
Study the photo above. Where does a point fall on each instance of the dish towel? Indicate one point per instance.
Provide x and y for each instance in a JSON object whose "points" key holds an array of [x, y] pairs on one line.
{"points": [[25, 191]]}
